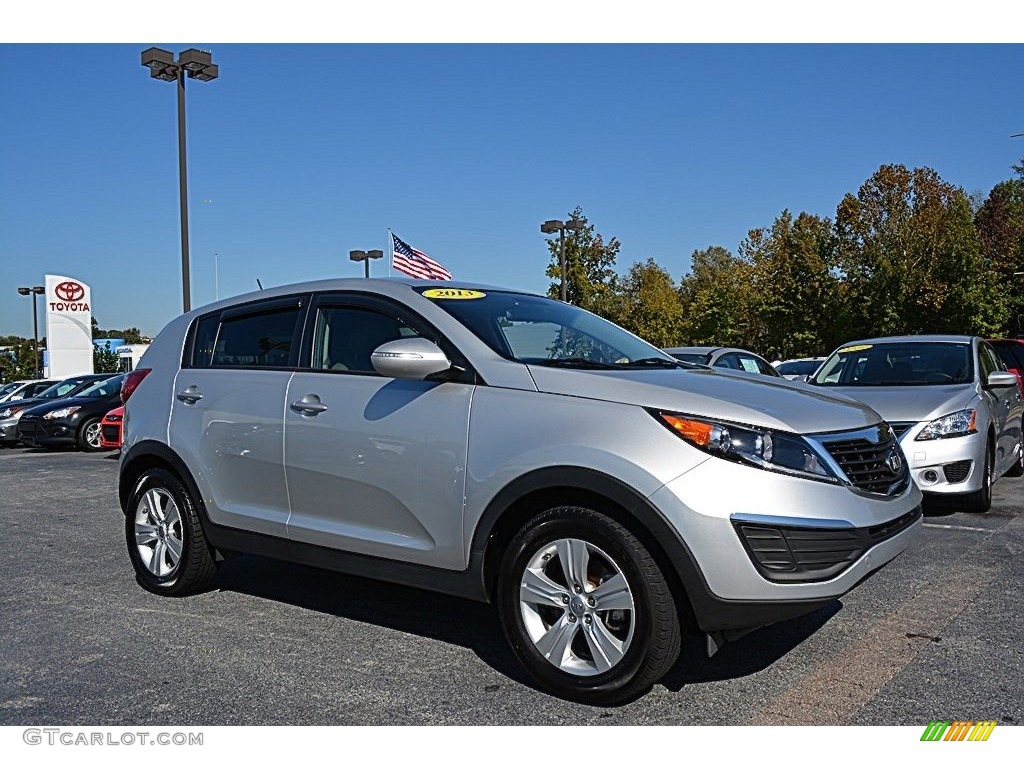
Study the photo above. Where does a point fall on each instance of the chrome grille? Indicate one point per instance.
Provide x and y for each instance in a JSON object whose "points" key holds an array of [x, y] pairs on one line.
{"points": [[870, 459]]}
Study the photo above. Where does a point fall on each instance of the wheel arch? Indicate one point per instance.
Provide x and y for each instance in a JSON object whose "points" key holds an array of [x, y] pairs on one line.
{"points": [[146, 455], [541, 489]]}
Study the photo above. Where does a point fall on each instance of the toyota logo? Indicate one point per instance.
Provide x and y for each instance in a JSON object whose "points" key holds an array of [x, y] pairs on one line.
{"points": [[894, 462], [69, 290]]}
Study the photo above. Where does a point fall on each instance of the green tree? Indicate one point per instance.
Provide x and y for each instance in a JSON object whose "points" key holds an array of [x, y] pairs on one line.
{"points": [[1000, 224], [104, 359], [19, 362], [716, 298], [911, 258], [648, 304], [794, 288], [589, 267]]}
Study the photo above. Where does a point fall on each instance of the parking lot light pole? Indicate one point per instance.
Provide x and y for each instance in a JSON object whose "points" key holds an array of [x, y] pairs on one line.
{"points": [[199, 66], [366, 257], [33, 292], [551, 226]]}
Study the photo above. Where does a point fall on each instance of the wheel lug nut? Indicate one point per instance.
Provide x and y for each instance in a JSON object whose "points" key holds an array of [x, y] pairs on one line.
{"points": [[572, 618], [577, 588], [588, 618], [591, 602], [565, 599]]}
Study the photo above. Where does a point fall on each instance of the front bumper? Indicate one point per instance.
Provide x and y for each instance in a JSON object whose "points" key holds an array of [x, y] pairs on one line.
{"points": [[33, 430], [9, 430], [705, 504], [946, 466]]}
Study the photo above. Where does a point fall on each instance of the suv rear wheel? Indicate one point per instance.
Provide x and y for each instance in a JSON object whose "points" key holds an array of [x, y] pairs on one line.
{"points": [[586, 608], [164, 536]]}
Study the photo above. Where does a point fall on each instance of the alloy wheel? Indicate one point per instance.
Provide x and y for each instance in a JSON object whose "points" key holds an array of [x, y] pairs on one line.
{"points": [[93, 435], [577, 607], [158, 533]]}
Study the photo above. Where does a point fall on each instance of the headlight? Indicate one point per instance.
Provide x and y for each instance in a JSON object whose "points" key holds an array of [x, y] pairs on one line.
{"points": [[6, 413], [61, 413], [952, 425], [764, 448]]}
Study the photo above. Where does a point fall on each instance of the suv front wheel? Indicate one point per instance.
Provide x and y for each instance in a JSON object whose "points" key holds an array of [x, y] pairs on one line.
{"points": [[164, 536], [586, 608]]}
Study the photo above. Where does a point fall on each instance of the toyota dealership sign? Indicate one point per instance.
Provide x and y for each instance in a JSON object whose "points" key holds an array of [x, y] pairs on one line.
{"points": [[68, 327]]}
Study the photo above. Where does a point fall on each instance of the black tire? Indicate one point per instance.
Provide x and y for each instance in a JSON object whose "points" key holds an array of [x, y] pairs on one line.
{"points": [[656, 636], [1017, 470], [980, 501], [197, 565], [81, 439]]}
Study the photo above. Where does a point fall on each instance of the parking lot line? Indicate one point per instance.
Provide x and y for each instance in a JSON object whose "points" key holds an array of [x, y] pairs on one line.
{"points": [[958, 527], [837, 689]]}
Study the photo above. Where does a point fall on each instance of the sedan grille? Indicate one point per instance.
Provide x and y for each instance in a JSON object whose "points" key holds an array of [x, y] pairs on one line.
{"points": [[870, 458], [900, 428]]}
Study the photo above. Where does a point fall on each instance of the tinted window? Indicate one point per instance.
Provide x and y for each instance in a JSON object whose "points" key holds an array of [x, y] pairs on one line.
{"points": [[1011, 354], [67, 388], [730, 361], [346, 337], [990, 362], [205, 338], [799, 367], [261, 339], [105, 388]]}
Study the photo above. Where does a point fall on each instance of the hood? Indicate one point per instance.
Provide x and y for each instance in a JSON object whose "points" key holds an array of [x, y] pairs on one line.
{"points": [[45, 406], [912, 403], [744, 398]]}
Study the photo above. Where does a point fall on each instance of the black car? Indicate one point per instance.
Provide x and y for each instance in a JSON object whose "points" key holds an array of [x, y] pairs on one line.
{"points": [[73, 420], [10, 412]]}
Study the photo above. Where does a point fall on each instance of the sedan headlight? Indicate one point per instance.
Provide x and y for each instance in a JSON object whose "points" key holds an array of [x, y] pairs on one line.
{"points": [[61, 413], [6, 413], [952, 425], [754, 446]]}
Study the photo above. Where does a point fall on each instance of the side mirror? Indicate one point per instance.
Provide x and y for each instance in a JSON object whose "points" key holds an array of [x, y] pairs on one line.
{"points": [[414, 358], [1001, 379]]}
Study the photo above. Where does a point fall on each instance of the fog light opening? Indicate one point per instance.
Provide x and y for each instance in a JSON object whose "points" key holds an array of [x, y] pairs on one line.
{"points": [[930, 476]]}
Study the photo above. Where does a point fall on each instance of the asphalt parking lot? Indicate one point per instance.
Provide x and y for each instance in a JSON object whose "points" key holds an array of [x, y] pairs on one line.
{"points": [[935, 635]]}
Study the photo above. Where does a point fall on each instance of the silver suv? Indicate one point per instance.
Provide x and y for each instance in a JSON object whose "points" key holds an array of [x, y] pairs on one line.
{"points": [[506, 448]]}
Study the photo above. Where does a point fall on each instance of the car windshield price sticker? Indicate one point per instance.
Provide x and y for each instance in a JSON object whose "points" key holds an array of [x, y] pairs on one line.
{"points": [[453, 293]]}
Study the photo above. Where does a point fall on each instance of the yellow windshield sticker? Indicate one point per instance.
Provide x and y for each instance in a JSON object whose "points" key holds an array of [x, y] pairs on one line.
{"points": [[452, 293], [854, 348]]}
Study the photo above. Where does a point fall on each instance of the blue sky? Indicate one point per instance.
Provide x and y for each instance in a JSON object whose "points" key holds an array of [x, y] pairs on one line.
{"points": [[309, 151]]}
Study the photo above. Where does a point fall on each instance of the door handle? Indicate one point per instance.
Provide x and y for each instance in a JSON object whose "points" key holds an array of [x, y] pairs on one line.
{"points": [[190, 396], [310, 405]]}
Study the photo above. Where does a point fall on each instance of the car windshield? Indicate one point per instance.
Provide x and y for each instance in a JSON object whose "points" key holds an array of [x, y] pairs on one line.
{"points": [[799, 367], [910, 364], [6, 389], [541, 331], [104, 388]]}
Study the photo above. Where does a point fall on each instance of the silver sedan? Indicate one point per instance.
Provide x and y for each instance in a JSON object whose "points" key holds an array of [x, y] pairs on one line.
{"points": [[951, 402]]}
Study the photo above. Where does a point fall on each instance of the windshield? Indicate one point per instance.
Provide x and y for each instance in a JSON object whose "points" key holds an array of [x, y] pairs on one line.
{"points": [[65, 388], [104, 388], [6, 389], [540, 331], [911, 364], [799, 367]]}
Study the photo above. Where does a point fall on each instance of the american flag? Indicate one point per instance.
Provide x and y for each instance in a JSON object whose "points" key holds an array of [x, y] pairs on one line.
{"points": [[416, 263]]}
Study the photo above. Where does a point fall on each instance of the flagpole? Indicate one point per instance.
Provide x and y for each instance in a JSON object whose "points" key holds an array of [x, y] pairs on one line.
{"points": [[391, 250]]}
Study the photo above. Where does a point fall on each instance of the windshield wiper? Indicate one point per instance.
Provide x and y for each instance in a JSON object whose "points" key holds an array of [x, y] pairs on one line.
{"points": [[573, 362], [657, 362]]}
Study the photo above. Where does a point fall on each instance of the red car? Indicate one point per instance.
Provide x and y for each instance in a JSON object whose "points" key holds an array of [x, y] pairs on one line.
{"points": [[110, 429], [1012, 353]]}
